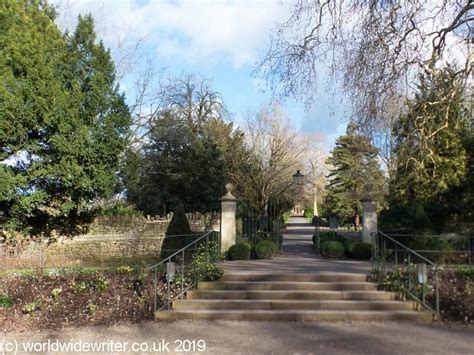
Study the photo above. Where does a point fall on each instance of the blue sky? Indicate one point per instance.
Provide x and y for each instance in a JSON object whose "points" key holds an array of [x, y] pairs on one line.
{"points": [[215, 39]]}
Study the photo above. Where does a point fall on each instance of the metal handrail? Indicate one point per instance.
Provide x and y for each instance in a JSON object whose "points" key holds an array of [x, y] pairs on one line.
{"points": [[408, 249], [441, 236], [181, 250], [405, 248], [168, 259]]}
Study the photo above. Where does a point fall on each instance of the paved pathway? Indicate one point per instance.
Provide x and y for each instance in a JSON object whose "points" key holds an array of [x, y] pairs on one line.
{"points": [[298, 256], [232, 337]]}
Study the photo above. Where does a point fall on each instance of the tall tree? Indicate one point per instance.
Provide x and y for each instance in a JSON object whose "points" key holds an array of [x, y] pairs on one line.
{"points": [[276, 154], [430, 156], [178, 167], [63, 122], [355, 172], [190, 151], [374, 49]]}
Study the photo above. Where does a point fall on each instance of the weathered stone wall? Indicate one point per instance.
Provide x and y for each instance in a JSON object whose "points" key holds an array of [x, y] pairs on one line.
{"points": [[119, 237]]}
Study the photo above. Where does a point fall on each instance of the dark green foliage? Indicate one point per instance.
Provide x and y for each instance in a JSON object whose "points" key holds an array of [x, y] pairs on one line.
{"points": [[331, 236], [188, 158], [252, 248], [205, 263], [6, 301], [308, 213], [249, 243], [327, 237], [272, 245], [240, 251], [63, 121], [179, 167], [394, 281], [414, 218], [263, 250], [349, 247], [276, 239], [430, 155], [178, 234], [361, 251], [179, 224], [261, 236], [432, 179], [355, 167], [332, 249]]}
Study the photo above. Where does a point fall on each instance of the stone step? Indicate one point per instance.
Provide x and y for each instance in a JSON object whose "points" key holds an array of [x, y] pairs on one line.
{"points": [[199, 304], [320, 277], [290, 295], [293, 315], [287, 285]]}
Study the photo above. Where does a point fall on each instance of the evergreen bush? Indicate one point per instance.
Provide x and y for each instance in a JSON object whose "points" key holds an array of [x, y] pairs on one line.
{"points": [[349, 247], [332, 249], [361, 251], [178, 234], [272, 245], [263, 250], [240, 251]]}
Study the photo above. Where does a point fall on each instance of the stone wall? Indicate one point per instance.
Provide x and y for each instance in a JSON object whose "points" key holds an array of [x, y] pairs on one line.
{"points": [[118, 237]]}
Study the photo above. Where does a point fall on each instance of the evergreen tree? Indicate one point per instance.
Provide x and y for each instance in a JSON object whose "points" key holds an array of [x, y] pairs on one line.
{"points": [[178, 167], [62, 122], [355, 168], [430, 156], [434, 155], [189, 156]]}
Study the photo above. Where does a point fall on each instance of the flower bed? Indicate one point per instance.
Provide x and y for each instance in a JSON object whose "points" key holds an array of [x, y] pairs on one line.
{"points": [[76, 298], [456, 293]]}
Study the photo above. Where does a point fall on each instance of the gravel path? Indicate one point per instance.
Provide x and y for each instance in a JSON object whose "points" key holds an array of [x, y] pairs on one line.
{"points": [[279, 337]]}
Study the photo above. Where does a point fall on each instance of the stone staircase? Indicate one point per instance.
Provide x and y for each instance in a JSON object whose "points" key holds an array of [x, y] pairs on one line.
{"points": [[293, 297]]}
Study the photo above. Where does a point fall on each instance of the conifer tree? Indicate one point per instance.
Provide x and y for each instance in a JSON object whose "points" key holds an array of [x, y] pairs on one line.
{"points": [[355, 170], [63, 123], [430, 156]]}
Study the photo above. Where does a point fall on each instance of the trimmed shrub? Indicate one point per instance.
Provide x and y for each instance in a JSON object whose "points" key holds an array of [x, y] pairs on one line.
{"points": [[272, 246], [263, 250], [332, 249], [261, 236], [349, 247], [240, 251], [361, 251], [331, 236], [249, 243], [178, 234]]}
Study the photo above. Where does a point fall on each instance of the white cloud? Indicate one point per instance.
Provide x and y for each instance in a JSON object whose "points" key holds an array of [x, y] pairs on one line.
{"points": [[197, 31]]}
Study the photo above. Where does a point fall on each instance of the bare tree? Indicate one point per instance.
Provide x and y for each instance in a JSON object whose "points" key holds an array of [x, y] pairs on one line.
{"points": [[186, 97], [375, 48], [276, 155]]}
